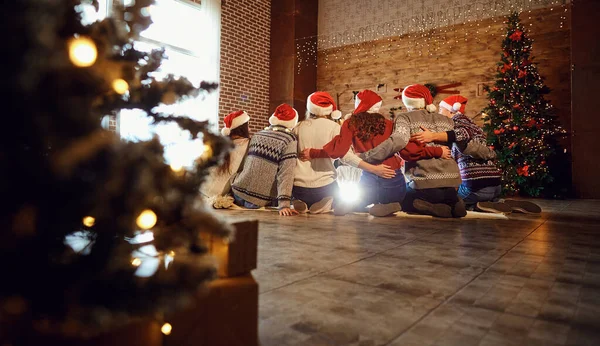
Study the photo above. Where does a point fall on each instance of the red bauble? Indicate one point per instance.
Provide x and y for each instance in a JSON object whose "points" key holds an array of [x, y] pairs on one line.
{"points": [[531, 123], [497, 132], [522, 74], [543, 162], [517, 106], [492, 147], [505, 68], [517, 36], [523, 171], [515, 128]]}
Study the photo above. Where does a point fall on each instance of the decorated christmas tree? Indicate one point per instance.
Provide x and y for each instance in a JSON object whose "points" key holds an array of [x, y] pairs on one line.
{"points": [[520, 123], [95, 231]]}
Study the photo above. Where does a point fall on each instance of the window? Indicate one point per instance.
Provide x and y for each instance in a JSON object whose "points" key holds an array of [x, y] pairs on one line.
{"points": [[190, 34]]}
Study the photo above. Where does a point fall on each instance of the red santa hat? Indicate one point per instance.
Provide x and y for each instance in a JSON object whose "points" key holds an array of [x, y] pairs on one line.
{"points": [[234, 120], [321, 103], [285, 116], [367, 101], [418, 96], [454, 103]]}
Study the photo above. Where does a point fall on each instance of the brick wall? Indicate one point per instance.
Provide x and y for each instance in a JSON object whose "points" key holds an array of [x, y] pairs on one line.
{"points": [[398, 62], [245, 49]]}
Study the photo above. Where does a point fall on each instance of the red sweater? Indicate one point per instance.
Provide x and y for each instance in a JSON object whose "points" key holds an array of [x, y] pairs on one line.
{"points": [[340, 144], [415, 152]]}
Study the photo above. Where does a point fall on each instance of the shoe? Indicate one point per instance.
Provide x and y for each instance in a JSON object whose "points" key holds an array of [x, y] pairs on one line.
{"points": [[523, 206], [459, 209], [383, 210], [299, 206], [494, 207], [321, 207], [342, 209], [439, 210]]}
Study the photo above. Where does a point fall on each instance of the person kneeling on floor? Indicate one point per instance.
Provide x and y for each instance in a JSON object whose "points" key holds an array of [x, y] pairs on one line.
{"points": [[267, 176]]}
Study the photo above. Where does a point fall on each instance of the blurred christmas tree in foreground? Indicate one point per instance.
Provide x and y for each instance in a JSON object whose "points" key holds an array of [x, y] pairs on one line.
{"points": [[521, 124], [95, 231]]}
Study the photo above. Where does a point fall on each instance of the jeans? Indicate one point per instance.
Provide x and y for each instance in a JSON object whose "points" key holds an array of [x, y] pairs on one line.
{"points": [[443, 195], [375, 189], [486, 194], [239, 201], [312, 195]]}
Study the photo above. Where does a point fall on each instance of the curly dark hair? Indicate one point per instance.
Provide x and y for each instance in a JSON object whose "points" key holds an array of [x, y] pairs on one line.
{"points": [[367, 125]]}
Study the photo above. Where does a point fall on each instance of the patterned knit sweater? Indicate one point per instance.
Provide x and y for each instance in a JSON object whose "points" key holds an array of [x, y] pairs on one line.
{"points": [[268, 172], [475, 173], [424, 173]]}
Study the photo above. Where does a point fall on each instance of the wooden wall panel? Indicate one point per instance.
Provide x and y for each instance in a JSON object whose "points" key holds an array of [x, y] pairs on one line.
{"points": [[470, 62]]}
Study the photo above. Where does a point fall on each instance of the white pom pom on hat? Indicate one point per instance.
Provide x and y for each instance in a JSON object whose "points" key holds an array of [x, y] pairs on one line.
{"points": [[335, 115]]}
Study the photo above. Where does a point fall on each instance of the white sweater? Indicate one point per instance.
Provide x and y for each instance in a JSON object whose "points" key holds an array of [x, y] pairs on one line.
{"points": [[315, 133], [218, 184]]}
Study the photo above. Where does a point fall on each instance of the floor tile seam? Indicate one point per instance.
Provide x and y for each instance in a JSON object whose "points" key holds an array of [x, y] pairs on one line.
{"points": [[448, 299]]}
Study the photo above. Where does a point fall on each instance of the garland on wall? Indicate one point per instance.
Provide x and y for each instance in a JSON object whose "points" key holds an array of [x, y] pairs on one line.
{"points": [[427, 29]]}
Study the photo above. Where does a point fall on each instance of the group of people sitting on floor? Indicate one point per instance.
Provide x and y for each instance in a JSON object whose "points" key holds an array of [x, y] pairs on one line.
{"points": [[422, 161]]}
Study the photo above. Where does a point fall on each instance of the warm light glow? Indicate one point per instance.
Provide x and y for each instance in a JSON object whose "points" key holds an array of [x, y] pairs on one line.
{"points": [[166, 328], [177, 168], [89, 221], [136, 262], [82, 52], [146, 220], [172, 253], [120, 86], [207, 153]]}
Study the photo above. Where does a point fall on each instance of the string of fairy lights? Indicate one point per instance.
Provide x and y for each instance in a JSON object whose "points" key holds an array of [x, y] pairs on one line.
{"points": [[431, 34]]}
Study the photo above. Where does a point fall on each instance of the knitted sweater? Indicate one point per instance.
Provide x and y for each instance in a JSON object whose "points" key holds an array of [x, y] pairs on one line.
{"points": [[339, 146], [218, 183], [268, 172], [475, 173], [424, 173], [315, 133]]}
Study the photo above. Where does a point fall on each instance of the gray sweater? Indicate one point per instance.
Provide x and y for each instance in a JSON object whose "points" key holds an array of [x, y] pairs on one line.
{"points": [[268, 172], [421, 174]]}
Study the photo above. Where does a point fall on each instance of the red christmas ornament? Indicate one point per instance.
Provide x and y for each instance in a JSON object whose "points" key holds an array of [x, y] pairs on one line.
{"points": [[523, 171], [517, 36], [543, 162], [512, 145], [493, 101], [531, 123], [505, 68], [515, 128], [492, 147], [497, 132], [522, 74], [517, 106]]}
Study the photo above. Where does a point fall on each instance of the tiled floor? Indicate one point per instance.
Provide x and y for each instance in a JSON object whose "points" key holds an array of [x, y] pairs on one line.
{"points": [[358, 280]]}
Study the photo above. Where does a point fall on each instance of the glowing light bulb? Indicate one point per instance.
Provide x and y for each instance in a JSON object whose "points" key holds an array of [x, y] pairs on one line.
{"points": [[136, 262], [89, 221], [120, 86], [146, 219], [172, 253], [82, 51], [176, 167], [166, 328], [207, 153]]}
